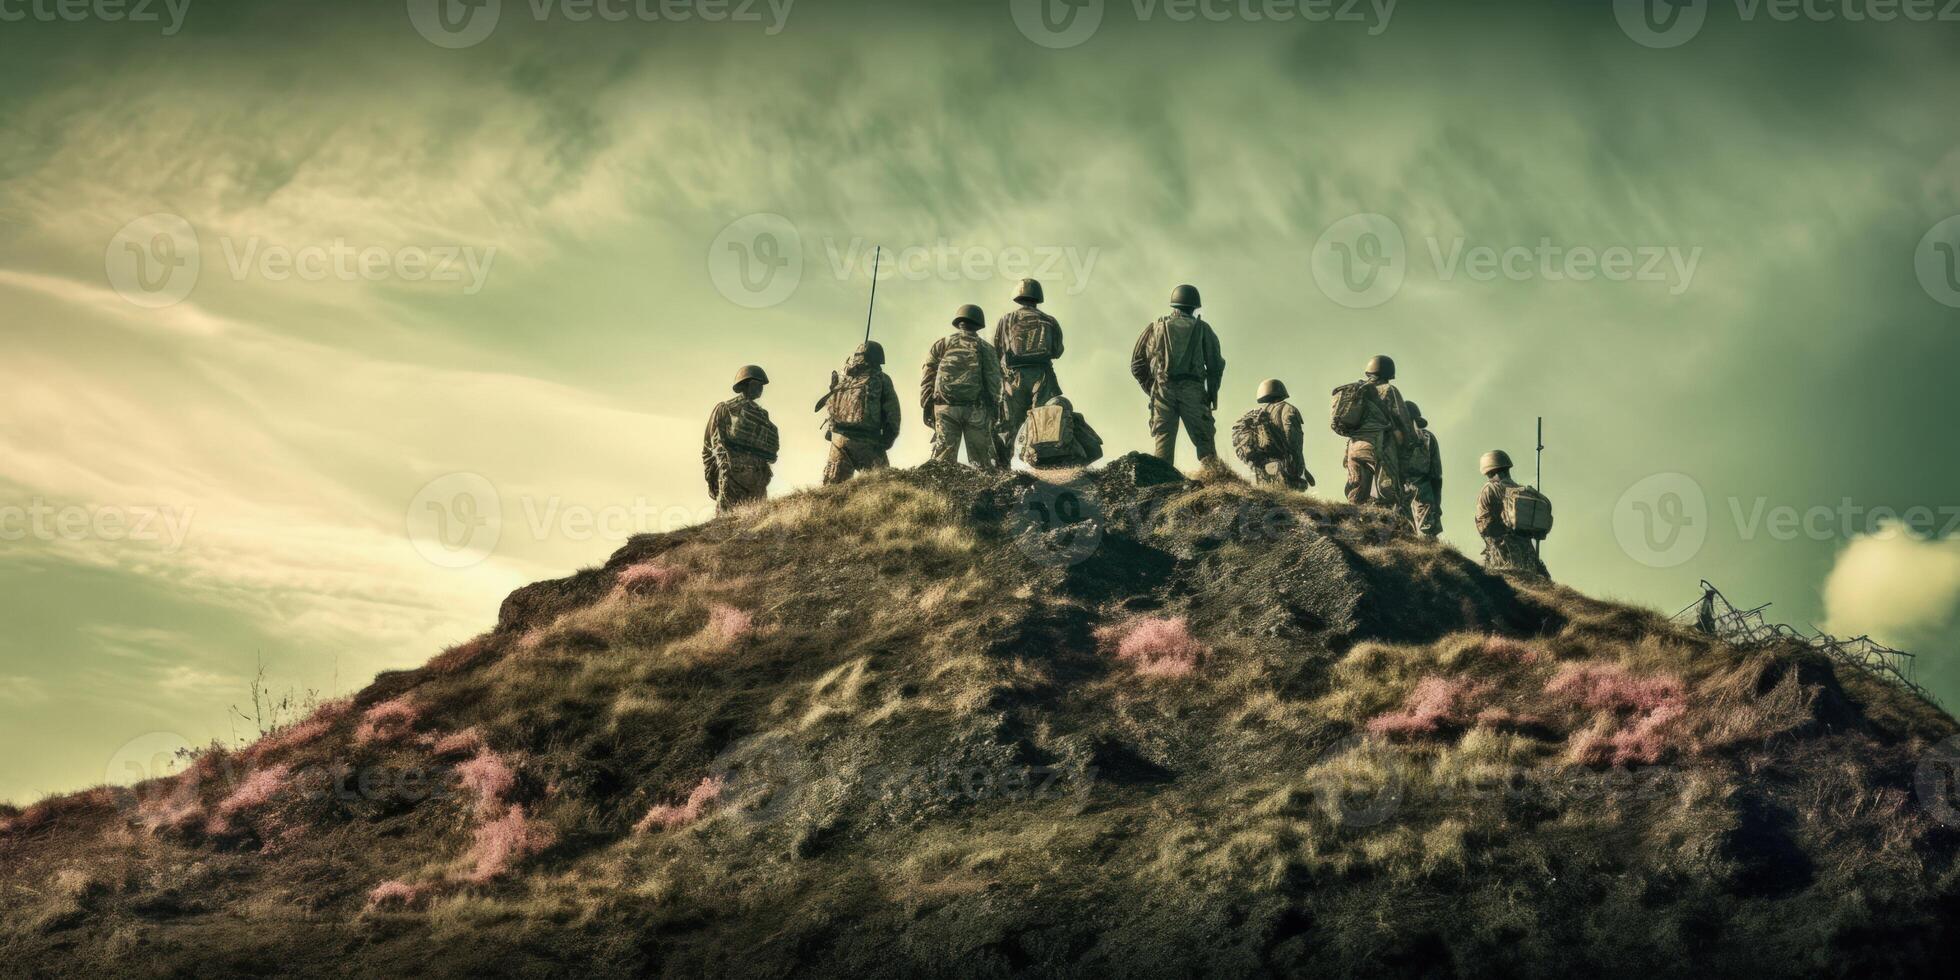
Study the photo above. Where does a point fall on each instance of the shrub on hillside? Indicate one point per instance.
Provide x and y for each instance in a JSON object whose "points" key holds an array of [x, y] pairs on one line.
{"points": [[1154, 646], [650, 576], [388, 722], [1639, 713], [729, 625], [672, 816], [258, 789], [1435, 703], [489, 780], [499, 844], [469, 741]]}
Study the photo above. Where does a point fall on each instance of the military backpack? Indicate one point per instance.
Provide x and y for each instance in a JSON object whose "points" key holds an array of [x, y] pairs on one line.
{"points": [[960, 375], [854, 403], [1527, 512], [1256, 438], [1415, 463], [750, 430], [1350, 408], [1051, 433], [1030, 338]]}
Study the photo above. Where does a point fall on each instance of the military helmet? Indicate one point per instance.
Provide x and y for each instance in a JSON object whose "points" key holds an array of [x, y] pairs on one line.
{"points": [[970, 314], [1416, 413], [1028, 290], [1272, 390], [873, 353], [1382, 366], [1496, 459], [1186, 296], [750, 372]]}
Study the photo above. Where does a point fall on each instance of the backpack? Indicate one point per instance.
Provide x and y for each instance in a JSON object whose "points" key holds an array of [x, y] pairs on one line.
{"points": [[1415, 463], [1527, 512], [1029, 338], [1051, 433], [959, 379], [1256, 439], [750, 430], [854, 403], [1349, 409]]}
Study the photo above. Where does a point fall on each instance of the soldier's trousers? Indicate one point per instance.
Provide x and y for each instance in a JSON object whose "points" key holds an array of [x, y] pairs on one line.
{"points": [[743, 478], [1173, 402], [1373, 477], [1024, 388], [850, 455], [969, 424], [1510, 553], [1426, 506]]}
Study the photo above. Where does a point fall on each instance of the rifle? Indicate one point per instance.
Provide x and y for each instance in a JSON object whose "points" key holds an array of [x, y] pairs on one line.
{"points": [[876, 257], [1538, 479]]}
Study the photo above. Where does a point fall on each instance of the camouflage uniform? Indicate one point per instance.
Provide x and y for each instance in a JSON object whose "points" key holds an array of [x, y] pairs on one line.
{"points": [[863, 447], [1290, 472], [737, 473], [1374, 451], [1177, 361], [1423, 483], [972, 424], [1504, 550], [1025, 385]]}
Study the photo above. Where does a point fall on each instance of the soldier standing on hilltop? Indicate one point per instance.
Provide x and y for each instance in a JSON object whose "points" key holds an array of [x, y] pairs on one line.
{"points": [[1512, 519], [960, 392], [1271, 439], [1178, 363], [1029, 341], [863, 421], [740, 445], [1370, 413], [1422, 478]]}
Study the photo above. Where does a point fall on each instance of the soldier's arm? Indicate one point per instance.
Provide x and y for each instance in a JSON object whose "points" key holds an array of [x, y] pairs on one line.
{"points": [[928, 375], [1436, 463], [1058, 338], [889, 392], [711, 444], [1000, 338], [1296, 437], [1214, 364], [1488, 512], [991, 377], [1140, 358]]}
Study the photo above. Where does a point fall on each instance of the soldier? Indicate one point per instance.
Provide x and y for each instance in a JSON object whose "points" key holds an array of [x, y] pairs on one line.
{"points": [[1376, 438], [1422, 478], [1056, 436], [1029, 341], [960, 391], [1511, 531], [864, 415], [1271, 439], [1178, 364], [740, 444]]}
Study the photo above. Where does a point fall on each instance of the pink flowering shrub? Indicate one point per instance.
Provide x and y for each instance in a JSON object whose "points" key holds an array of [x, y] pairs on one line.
{"points": [[671, 816], [389, 721], [396, 892], [489, 779], [1154, 646], [169, 804], [1509, 649], [650, 576], [1435, 702], [286, 739], [258, 789], [469, 741], [1644, 710], [501, 843], [729, 624]]}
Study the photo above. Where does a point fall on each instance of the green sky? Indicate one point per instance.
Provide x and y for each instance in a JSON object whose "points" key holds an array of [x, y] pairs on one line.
{"points": [[1779, 337]]}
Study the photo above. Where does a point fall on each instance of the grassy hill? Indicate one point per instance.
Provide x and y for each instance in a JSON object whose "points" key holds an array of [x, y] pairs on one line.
{"points": [[944, 723]]}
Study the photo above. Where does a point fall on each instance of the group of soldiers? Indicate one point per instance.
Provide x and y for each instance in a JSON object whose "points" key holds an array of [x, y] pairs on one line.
{"points": [[990, 395]]}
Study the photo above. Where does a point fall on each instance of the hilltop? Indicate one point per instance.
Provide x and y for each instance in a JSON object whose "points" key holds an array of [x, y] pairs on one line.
{"points": [[948, 723]]}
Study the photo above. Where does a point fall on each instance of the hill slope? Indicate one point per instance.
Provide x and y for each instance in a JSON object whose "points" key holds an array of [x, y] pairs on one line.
{"points": [[919, 724]]}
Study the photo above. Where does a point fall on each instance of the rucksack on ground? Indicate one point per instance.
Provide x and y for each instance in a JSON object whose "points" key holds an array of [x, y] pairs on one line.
{"points": [[1029, 339], [1527, 512], [960, 379], [1349, 409], [853, 405], [1051, 432], [1255, 438]]}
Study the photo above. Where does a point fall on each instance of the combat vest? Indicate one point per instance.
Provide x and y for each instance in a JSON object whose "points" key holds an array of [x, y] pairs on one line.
{"points": [[747, 428], [1179, 351], [961, 378], [856, 406], [1029, 338], [1256, 436]]}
